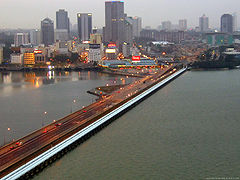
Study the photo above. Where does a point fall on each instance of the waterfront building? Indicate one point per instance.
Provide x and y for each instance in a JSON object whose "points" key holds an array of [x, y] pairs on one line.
{"points": [[61, 47], [114, 22], [21, 39], [204, 23], [39, 57], [16, 58], [35, 37], [28, 59], [227, 23], [47, 32], [94, 54], [182, 24], [84, 26], [219, 39], [62, 20]]}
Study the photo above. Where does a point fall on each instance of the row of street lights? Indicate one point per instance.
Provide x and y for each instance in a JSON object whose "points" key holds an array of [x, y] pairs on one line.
{"points": [[44, 119]]}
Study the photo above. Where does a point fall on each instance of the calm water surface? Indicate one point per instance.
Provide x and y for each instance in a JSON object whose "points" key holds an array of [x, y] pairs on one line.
{"points": [[24, 97], [187, 130]]}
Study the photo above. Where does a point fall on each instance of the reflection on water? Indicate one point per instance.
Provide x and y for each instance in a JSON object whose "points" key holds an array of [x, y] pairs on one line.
{"points": [[15, 80], [25, 96]]}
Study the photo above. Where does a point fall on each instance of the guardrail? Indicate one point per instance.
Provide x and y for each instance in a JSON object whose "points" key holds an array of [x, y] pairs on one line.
{"points": [[59, 147]]}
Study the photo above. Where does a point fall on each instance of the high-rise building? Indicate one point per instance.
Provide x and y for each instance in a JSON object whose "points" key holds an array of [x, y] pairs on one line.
{"points": [[21, 39], [61, 35], [204, 23], [227, 23], [1, 55], [62, 20], [137, 26], [114, 22], [35, 37], [47, 32], [182, 24], [84, 26], [166, 25], [235, 24], [128, 30]]}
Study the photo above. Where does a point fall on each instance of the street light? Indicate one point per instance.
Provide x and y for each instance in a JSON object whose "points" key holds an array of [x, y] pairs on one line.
{"points": [[4, 137], [45, 116], [74, 101]]}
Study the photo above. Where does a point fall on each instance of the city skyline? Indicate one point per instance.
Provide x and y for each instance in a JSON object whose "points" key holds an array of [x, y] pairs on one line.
{"points": [[175, 10]]}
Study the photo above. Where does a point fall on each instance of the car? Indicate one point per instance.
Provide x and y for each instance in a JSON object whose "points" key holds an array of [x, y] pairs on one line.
{"points": [[58, 124], [12, 147], [84, 111], [19, 143]]}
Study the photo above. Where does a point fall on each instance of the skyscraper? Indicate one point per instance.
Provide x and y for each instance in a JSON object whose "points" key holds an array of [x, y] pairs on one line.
{"points": [[182, 24], [114, 22], [21, 39], [35, 37], [203, 23], [235, 24], [47, 31], [227, 23], [137, 26], [84, 26], [62, 20], [1, 55]]}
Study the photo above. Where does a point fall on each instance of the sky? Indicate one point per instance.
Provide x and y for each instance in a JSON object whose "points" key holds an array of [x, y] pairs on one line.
{"points": [[29, 13]]}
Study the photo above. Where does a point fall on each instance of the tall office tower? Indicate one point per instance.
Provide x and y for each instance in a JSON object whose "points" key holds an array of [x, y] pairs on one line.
{"points": [[35, 37], [203, 23], [128, 30], [182, 24], [21, 39], [62, 20], [166, 25], [84, 26], [1, 55], [61, 35], [137, 26], [235, 24], [114, 22], [47, 29], [227, 23]]}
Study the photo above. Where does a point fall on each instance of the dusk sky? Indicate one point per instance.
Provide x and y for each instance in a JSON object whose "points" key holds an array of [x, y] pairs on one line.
{"points": [[29, 13]]}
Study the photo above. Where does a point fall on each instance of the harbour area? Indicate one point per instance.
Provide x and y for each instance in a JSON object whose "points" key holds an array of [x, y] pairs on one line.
{"points": [[88, 116]]}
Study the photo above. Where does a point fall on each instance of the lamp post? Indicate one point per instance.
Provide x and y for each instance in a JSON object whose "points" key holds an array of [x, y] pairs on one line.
{"points": [[45, 116], [8, 129], [72, 104]]}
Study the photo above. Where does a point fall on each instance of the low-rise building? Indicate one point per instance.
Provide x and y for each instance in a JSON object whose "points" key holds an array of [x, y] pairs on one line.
{"points": [[1, 55], [16, 59], [94, 54], [28, 59]]}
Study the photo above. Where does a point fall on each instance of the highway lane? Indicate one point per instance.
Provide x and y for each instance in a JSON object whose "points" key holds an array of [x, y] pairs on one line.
{"points": [[73, 121]]}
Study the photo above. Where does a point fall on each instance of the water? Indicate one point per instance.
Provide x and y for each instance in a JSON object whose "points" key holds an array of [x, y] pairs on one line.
{"points": [[25, 97], [187, 130]]}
